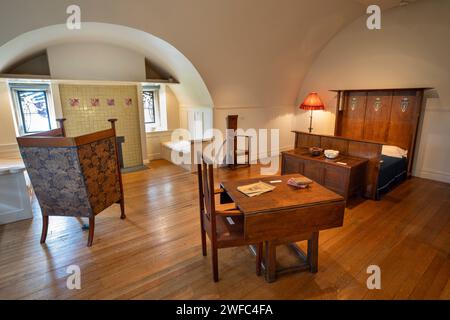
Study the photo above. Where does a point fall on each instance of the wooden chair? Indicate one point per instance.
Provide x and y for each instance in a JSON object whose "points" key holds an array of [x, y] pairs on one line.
{"points": [[232, 124], [76, 177], [223, 223]]}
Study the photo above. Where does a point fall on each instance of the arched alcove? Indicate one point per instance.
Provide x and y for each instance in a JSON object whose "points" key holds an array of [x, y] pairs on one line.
{"points": [[191, 92], [159, 58]]}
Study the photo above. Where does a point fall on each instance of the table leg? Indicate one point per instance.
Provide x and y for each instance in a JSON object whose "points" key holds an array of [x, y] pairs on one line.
{"points": [[270, 261], [313, 252]]}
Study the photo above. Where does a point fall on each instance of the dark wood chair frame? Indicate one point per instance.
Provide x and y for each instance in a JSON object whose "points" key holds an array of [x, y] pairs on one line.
{"points": [[213, 220]]}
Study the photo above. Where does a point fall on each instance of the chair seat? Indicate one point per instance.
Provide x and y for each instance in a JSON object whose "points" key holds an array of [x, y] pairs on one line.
{"points": [[230, 231], [226, 207]]}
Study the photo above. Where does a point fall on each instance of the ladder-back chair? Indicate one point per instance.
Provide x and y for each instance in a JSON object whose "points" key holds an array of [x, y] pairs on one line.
{"points": [[223, 223]]}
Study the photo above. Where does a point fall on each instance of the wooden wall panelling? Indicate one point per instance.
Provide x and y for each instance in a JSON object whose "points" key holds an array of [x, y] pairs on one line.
{"points": [[352, 118], [378, 112], [306, 141], [404, 114], [335, 144]]}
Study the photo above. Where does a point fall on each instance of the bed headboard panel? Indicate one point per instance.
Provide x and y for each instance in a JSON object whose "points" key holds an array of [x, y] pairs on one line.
{"points": [[387, 116]]}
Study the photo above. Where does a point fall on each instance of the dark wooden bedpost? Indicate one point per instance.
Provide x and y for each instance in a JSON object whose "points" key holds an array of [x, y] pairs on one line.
{"points": [[61, 125], [122, 200]]}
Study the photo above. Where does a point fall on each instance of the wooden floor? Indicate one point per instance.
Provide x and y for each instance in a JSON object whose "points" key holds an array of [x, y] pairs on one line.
{"points": [[155, 253]]}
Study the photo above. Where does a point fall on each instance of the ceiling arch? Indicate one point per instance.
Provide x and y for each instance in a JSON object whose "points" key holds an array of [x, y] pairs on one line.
{"points": [[249, 53], [191, 91]]}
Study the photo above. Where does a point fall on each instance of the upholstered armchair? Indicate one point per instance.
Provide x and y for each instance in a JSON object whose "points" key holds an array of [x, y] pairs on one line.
{"points": [[75, 177]]}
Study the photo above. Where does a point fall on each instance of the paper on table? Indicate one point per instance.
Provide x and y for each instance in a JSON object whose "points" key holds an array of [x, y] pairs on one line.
{"points": [[255, 189]]}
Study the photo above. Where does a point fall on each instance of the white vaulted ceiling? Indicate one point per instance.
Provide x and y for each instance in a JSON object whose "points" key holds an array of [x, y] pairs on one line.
{"points": [[249, 53]]}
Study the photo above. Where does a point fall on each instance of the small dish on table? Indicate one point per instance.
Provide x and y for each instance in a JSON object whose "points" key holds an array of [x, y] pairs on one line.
{"points": [[315, 151], [331, 154]]}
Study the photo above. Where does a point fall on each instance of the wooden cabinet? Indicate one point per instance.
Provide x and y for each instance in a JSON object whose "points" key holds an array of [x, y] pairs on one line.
{"points": [[345, 178], [314, 170], [336, 179], [291, 165]]}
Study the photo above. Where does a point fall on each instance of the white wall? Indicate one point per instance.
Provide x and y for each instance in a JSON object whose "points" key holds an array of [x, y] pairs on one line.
{"points": [[188, 116], [8, 143], [154, 139], [250, 54], [94, 61], [412, 49], [261, 118], [88, 63], [173, 109], [7, 129]]}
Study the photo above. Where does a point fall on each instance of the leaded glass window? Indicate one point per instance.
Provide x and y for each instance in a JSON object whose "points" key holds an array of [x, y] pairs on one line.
{"points": [[149, 106], [33, 109]]}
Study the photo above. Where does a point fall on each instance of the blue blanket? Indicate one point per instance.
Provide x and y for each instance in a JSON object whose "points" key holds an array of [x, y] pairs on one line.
{"points": [[392, 171]]}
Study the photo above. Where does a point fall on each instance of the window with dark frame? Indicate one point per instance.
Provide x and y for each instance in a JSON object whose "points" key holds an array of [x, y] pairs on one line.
{"points": [[33, 110], [149, 106]]}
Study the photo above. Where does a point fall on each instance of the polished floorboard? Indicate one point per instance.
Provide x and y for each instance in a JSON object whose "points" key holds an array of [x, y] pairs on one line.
{"points": [[156, 253]]}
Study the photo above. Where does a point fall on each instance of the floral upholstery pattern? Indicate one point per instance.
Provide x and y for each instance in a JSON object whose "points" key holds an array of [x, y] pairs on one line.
{"points": [[74, 181], [99, 166], [57, 180]]}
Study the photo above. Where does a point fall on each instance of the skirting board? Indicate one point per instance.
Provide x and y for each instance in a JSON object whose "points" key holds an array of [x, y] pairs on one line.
{"points": [[154, 156], [134, 169], [434, 175]]}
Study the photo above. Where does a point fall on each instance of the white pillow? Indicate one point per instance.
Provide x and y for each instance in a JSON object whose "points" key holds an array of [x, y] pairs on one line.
{"points": [[394, 151]]}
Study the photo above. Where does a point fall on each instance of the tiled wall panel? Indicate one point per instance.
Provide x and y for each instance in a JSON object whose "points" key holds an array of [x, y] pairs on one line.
{"points": [[85, 118]]}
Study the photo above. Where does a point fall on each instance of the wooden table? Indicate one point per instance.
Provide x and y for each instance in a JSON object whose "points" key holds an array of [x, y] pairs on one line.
{"points": [[286, 215]]}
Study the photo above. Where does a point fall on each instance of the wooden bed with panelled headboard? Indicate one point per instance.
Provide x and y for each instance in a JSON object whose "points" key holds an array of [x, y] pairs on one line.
{"points": [[387, 116], [369, 123]]}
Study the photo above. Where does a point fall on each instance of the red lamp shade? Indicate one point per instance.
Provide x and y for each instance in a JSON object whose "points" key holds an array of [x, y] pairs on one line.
{"points": [[312, 102]]}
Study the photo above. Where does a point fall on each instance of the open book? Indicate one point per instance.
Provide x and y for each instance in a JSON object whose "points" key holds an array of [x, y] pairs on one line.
{"points": [[255, 189]]}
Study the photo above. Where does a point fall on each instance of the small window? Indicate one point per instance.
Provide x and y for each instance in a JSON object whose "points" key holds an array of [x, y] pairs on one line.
{"points": [[149, 107], [151, 97], [32, 109]]}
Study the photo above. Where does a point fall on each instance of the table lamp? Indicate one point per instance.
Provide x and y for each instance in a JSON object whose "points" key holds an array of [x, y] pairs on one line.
{"points": [[312, 102]]}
